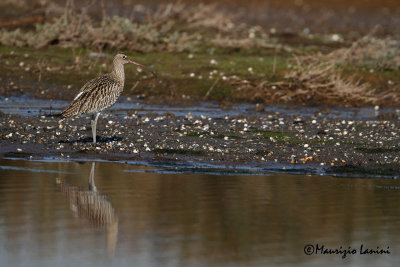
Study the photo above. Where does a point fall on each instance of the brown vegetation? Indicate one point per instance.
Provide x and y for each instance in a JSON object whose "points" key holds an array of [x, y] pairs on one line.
{"points": [[363, 73], [172, 27], [335, 78]]}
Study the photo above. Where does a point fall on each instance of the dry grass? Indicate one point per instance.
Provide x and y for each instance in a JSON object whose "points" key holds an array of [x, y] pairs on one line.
{"points": [[339, 77], [323, 79], [207, 16], [322, 83], [77, 29], [371, 52], [172, 27]]}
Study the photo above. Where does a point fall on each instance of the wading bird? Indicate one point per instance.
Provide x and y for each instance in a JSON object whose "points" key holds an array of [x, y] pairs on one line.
{"points": [[100, 93]]}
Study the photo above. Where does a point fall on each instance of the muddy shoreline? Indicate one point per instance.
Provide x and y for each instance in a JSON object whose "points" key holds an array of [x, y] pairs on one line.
{"points": [[270, 139]]}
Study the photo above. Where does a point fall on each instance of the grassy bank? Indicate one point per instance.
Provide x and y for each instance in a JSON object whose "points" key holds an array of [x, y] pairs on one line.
{"points": [[200, 53]]}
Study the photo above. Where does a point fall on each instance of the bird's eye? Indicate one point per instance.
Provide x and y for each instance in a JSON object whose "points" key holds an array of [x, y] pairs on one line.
{"points": [[124, 57]]}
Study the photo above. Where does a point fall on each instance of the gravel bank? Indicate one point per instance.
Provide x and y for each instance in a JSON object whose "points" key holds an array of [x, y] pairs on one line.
{"points": [[313, 143]]}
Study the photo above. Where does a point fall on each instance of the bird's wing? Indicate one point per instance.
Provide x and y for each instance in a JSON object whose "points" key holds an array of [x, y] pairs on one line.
{"points": [[94, 96]]}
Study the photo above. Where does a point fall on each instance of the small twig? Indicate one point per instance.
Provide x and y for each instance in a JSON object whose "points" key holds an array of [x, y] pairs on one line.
{"points": [[77, 59], [274, 64], [39, 65], [134, 86], [211, 88]]}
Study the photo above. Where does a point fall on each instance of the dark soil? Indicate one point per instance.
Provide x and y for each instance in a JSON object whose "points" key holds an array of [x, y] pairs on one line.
{"points": [[270, 141]]}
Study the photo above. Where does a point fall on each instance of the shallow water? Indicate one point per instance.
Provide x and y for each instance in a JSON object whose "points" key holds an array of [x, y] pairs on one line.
{"points": [[143, 216], [27, 106]]}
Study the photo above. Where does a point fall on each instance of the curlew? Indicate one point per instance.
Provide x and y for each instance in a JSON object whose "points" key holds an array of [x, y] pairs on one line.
{"points": [[100, 93]]}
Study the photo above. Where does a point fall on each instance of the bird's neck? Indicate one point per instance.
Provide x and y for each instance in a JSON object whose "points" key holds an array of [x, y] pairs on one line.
{"points": [[118, 72]]}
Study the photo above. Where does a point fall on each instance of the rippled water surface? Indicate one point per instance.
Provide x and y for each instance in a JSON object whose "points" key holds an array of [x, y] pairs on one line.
{"points": [[27, 106], [102, 214]]}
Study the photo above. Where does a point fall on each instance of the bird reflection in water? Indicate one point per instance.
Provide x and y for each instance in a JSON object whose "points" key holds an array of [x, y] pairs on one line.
{"points": [[94, 206]]}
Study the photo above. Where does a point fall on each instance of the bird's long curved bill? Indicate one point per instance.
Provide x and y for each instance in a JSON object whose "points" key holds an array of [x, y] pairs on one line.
{"points": [[143, 66]]}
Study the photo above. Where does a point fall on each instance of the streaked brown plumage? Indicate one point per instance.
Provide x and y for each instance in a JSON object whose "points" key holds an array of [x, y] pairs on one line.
{"points": [[100, 93], [95, 96]]}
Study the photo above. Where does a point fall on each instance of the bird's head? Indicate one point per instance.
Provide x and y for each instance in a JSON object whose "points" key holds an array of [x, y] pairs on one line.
{"points": [[123, 59]]}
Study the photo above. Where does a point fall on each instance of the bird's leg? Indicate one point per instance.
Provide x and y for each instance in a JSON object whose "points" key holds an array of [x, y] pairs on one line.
{"points": [[92, 186], [94, 123]]}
